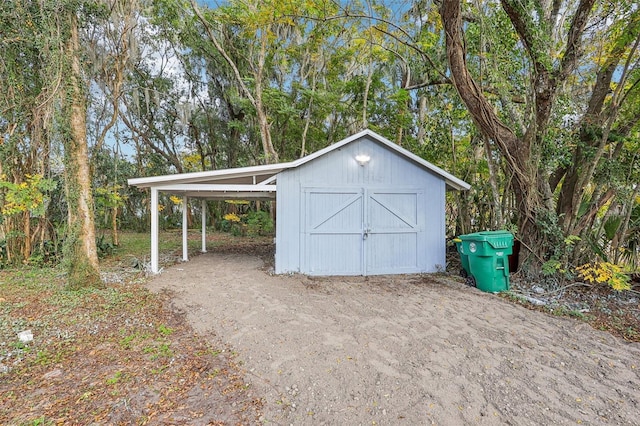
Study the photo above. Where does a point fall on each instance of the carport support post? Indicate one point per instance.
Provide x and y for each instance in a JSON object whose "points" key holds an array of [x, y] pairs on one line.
{"points": [[204, 226], [185, 248], [154, 231]]}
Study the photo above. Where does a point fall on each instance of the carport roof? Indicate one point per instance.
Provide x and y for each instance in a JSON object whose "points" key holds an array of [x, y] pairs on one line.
{"points": [[258, 182]]}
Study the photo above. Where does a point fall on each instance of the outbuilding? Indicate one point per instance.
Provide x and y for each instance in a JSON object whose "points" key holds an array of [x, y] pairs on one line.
{"points": [[361, 206]]}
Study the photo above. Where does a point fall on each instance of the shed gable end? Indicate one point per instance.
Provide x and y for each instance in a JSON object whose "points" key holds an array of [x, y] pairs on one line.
{"points": [[338, 217]]}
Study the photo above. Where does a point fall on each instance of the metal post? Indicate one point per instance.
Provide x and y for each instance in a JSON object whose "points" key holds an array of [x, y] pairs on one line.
{"points": [[204, 226], [185, 246], [154, 231]]}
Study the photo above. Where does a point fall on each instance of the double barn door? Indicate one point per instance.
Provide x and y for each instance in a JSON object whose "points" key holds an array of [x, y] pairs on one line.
{"points": [[362, 231]]}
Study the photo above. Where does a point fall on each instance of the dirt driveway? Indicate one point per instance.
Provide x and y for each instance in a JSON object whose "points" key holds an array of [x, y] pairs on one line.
{"points": [[404, 350]]}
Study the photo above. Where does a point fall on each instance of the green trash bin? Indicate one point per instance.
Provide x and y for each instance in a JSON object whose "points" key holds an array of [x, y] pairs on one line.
{"points": [[488, 254], [464, 258]]}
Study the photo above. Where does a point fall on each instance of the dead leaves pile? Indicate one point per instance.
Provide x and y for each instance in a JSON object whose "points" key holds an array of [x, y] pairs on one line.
{"points": [[115, 356]]}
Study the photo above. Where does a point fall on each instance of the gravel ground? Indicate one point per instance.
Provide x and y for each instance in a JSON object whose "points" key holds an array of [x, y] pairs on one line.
{"points": [[402, 349]]}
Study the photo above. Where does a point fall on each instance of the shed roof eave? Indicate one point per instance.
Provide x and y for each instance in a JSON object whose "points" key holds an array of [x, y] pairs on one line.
{"points": [[254, 196], [209, 176], [219, 191], [458, 185], [208, 187], [453, 183]]}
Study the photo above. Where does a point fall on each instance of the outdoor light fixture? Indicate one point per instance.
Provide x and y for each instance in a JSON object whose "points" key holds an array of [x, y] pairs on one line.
{"points": [[362, 159]]}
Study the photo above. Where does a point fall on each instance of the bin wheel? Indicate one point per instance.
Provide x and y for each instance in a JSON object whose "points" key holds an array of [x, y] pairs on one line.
{"points": [[463, 273], [470, 281]]}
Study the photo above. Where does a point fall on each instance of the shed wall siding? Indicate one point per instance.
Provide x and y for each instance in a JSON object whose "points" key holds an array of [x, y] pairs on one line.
{"points": [[288, 214], [339, 169]]}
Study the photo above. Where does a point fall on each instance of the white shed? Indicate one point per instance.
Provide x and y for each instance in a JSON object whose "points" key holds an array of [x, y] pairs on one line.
{"points": [[362, 206]]}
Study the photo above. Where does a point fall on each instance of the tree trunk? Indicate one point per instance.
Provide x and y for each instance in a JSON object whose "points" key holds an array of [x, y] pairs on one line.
{"points": [[270, 154], [595, 129], [26, 248], [496, 219], [114, 226], [307, 121], [81, 256], [365, 98], [621, 235], [422, 118], [517, 152]]}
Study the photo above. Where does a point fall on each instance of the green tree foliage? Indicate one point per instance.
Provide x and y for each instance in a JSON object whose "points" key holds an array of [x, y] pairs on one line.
{"points": [[26, 108], [553, 92], [546, 130], [28, 196], [45, 111]]}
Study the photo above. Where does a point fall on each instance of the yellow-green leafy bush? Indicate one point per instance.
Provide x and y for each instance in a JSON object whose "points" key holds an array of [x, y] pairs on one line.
{"points": [[604, 273]]}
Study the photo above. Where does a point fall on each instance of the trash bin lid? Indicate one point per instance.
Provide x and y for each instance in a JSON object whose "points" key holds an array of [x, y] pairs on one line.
{"points": [[470, 237], [494, 233], [496, 239]]}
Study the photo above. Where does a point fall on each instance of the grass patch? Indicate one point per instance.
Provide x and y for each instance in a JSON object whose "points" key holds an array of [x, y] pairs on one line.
{"points": [[563, 311], [164, 330], [40, 421], [96, 351], [137, 247]]}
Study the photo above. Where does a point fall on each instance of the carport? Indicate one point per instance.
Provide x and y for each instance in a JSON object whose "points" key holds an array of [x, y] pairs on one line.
{"points": [[361, 206], [245, 183]]}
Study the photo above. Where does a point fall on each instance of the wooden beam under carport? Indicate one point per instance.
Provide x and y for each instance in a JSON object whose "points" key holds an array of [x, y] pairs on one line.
{"points": [[203, 192]]}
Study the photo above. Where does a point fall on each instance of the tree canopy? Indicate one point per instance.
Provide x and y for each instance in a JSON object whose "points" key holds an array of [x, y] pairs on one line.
{"points": [[534, 103]]}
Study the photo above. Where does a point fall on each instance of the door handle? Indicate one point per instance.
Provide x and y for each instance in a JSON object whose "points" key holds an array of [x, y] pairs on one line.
{"points": [[366, 233]]}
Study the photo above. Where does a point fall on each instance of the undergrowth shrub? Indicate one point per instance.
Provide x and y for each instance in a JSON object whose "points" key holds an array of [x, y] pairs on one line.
{"points": [[253, 224], [49, 253], [104, 247], [3, 254], [605, 273], [259, 223]]}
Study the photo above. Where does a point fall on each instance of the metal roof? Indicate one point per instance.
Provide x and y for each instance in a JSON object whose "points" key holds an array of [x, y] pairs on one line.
{"points": [[258, 182]]}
